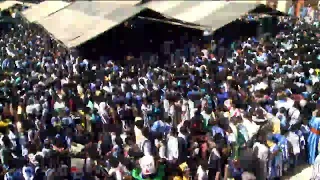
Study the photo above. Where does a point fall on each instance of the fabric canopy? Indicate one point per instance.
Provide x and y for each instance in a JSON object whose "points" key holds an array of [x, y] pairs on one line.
{"points": [[8, 4], [212, 14], [43, 10], [187, 11], [227, 14], [262, 9], [84, 20]]}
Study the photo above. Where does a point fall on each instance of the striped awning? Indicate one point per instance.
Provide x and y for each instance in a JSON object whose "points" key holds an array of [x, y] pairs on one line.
{"points": [[44, 9], [84, 20], [213, 14]]}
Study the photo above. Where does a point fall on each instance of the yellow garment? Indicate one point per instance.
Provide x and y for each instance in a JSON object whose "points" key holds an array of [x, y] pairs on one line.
{"points": [[177, 178], [183, 166], [81, 96], [81, 112], [270, 143], [276, 125], [98, 93], [317, 71], [213, 115], [4, 123], [138, 134], [19, 110], [180, 178]]}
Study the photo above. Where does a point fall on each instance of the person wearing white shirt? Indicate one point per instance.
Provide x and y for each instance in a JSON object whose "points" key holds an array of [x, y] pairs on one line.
{"points": [[172, 146], [59, 105], [201, 173], [166, 107], [12, 138], [262, 152], [287, 103], [294, 115], [172, 114], [145, 143]]}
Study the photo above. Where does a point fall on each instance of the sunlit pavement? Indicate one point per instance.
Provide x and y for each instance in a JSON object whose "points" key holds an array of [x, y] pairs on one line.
{"points": [[301, 173]]}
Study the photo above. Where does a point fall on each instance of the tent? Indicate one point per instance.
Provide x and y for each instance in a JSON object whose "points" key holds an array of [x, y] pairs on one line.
{"points": [[44, 9], [186, 11], [84, 20], [211, 14], [8, 4], [263, 9]]}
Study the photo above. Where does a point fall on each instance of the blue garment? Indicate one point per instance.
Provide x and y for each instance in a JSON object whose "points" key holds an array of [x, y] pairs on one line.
{"points": [[149, 75], [193, 93], [220, 68], [5, 63], [128, 95], [217, 130], [291, 11], [283, 145], [313, 139], [275, 163], [16, 175], [303, 12], [160, 126], [156, 110], [222, 97], [95, 118], [210, 102], [235, 172], [262, 58], [283, 121]]}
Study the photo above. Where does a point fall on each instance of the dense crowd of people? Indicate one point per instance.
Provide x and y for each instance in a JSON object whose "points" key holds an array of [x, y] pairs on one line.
{"points": [[252, 115]]}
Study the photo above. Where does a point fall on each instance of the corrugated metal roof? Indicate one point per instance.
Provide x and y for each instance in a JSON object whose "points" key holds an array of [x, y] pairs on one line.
{"points": [[83, 20], [44, 9]]}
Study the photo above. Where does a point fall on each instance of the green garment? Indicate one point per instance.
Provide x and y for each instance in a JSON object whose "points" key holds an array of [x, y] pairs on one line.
{"points": [[205, 121], [240, 139], [18, 80], [160, 173], [233, 46], [90, 105]]}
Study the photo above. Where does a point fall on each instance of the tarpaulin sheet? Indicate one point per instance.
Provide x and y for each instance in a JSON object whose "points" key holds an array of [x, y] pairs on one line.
{"points": [[84, 20], [213, 14], [8, 4], [43, 10]]}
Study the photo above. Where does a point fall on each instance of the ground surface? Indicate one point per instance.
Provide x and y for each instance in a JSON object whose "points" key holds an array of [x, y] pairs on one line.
{"points": [[301, 173]]}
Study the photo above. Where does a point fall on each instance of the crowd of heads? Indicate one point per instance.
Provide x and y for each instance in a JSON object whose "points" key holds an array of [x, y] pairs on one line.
{"points": [[193, 117]]}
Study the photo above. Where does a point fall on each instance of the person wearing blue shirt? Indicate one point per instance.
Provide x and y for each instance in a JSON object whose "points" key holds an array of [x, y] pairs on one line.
{"points": [[313, 139], [291, 10], [222, 96], [160, 127], [303, 12], [5, 64], [217, 130]]}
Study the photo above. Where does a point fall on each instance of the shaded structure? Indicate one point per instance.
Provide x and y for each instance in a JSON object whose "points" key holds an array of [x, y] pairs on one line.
{"points": [[115, 29], [83, 20], [44, 9], [8, 4], [139, 37]]}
